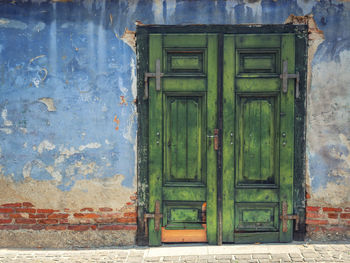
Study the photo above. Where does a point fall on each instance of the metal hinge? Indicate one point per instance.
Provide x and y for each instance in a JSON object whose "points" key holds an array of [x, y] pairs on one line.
{"points": [[285, 76], [157, 215], [156, 75], [285, 217]]}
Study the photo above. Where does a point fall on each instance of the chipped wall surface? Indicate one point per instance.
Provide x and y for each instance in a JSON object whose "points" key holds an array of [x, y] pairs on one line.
{"points": [[68, 86]]}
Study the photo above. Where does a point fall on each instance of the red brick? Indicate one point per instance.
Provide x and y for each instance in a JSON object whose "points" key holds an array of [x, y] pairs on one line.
{"points": [[6, 210], [129, 203], [345, 215], [333, 215], [5, 221], [347, 209], [66, 210], [313, 208], [105, 220], [133, 197], [331, 209], [64, 221], [316, 222], [114, 215], [80, 215], [26, 210], [9, 227], [79, 228], [308, 196], [93, 227], [130, 214], [16, 216], [87, 209], [12, 205], [337, 229], [126, 220], [25, 221], [37, 216], [46, 211], [59, 227], [105, 209], [27, 204], [33, 227], [48, 221], [57, 216], [118, 227]]}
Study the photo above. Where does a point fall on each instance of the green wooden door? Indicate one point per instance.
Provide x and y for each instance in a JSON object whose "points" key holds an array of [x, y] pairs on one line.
{"points": [[182, 113], [258, 134]]}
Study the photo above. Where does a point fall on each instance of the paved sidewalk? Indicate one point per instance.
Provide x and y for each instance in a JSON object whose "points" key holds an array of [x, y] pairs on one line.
{"points": [[295, 252]]}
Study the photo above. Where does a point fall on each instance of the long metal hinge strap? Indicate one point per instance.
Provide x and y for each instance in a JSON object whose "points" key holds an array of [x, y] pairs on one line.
{"points": [[285, 217], [285, 76], [156, 75], [156, 215]]}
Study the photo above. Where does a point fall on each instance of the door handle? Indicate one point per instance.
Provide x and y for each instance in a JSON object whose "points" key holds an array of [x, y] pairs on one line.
{"points": [[216, 139], [285, 76], [156, 75]]}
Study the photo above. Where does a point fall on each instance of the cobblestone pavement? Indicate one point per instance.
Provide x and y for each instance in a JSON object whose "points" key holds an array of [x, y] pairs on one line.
{"points": [[188, 253]]}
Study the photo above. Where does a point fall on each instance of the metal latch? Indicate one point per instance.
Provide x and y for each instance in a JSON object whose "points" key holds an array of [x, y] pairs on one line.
{"points": [[157, 216], [216, 139], [285, 76], [156, 75], [285, 217]]}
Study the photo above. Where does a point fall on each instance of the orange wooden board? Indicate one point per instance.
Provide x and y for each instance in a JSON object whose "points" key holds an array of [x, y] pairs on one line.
{"points": [[185, 235]]}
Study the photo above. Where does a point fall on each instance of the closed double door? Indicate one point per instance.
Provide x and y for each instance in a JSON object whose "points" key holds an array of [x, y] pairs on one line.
{"points": [[221, 109]]}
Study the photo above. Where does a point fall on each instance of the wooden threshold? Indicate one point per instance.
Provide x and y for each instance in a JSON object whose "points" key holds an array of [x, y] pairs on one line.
{"points": [[185, 235]]}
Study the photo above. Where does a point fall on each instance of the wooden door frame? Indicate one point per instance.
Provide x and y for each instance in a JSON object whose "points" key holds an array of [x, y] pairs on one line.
{"points": [[142, 49]]}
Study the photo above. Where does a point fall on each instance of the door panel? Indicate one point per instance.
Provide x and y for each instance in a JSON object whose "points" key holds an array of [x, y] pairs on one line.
{"points": [[181, 115], [257, 175]]}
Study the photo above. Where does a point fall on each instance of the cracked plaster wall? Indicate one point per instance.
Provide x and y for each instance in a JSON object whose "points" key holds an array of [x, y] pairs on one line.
{"points": [[68, 85]]}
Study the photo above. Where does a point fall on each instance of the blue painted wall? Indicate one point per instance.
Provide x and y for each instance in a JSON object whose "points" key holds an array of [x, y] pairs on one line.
{"points": [[67, 83]]}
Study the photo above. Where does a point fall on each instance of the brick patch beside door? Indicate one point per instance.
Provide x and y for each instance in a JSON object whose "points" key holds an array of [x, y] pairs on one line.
{"points": [[24, 215]]}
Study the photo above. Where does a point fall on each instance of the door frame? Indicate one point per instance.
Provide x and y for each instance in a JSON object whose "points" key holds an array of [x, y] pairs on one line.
{"points": [[142, 49]]}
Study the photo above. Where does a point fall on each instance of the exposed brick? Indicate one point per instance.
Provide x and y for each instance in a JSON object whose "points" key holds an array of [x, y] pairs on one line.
{"points": [[25, 221], [347, 209], [46, 211], [16, 216], [87, 209], [345, 215], [133, 197], [25, 210], [64, 221], [331, 209], [66, 210], [79, 228], [130, 214], [127, 220], [114, 215], [333, 215], [316, 222], [6, 210], [80, 215], [308, 196], [27, 204], [105, 209], [118, 227], [48, 221], [37, 216], [93, 227], [312, 208], [129, 203], [33, 227], [105, 220], [313, 215], [58, 227], [57, 216], [336, 229], [12, 205], [9, 227], [5, 221]]}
